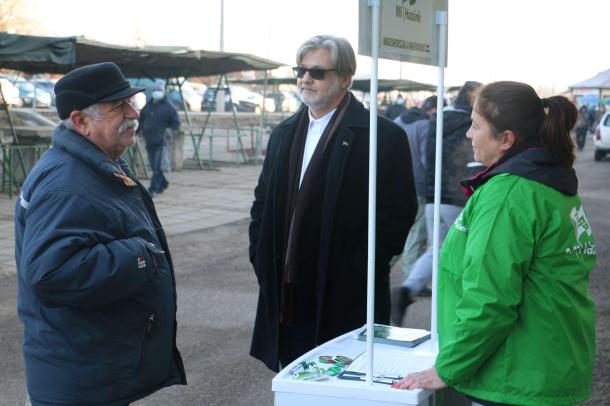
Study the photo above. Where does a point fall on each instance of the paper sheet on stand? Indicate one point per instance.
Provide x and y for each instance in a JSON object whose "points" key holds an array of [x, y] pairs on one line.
{"points": [[389, 361]]}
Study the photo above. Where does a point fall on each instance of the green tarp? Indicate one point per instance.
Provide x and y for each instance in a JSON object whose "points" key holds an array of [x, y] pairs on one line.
{"points": [[32, 54]]}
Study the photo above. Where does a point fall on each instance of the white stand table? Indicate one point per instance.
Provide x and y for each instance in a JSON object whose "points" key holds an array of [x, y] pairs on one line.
{"points": [[339, 392]]}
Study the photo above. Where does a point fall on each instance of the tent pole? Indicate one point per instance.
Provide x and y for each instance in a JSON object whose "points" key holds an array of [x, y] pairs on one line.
{"points": [[259, 138], [187, 116], [205, 125], [240, 144], [370, 293], [441, 21], [13, 133]]}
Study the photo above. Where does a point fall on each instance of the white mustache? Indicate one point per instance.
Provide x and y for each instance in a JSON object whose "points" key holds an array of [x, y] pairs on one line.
{"points": [[128, 124]]}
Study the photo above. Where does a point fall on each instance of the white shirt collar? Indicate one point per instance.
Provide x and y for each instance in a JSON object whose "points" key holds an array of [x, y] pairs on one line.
{"points": [[314, 133], [322, 120]]}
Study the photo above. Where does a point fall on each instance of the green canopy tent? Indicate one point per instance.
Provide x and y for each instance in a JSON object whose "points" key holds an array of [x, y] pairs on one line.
{"points": [[36, 54], [33, 54]]}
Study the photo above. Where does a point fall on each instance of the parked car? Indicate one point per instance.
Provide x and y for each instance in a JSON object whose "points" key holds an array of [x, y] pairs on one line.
{"points": [[601, 138], [242, 98], [10, 92], [49, 86], [208, 103], [291, 101], [255, 102], [32, 94], [27, 123], [192, 96]]}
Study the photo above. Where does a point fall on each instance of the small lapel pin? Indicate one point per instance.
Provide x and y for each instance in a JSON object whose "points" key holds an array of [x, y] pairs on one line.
{"points": [[126, 179], [345, 143]]}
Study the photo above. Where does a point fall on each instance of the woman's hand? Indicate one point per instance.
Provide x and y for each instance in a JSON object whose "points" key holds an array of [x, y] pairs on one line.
{"points": [[427, 379]]}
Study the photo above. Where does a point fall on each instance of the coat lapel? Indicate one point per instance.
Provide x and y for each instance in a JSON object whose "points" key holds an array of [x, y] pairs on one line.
{"points": [[278, 174], [334, 175], [355, 117]]}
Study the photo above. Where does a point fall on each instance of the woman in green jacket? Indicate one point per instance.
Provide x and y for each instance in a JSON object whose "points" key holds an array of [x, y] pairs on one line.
{"points": [[516, 320]]}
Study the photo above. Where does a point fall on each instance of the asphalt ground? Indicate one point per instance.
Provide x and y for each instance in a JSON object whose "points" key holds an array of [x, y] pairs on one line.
{"points": [[217, 294]]}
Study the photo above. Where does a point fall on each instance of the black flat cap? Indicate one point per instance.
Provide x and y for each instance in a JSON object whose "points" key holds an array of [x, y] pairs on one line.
{"points": [[91, 84]]}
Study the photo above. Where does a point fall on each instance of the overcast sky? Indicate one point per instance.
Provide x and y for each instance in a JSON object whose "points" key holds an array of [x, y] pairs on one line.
{"points": [[551, 43]]}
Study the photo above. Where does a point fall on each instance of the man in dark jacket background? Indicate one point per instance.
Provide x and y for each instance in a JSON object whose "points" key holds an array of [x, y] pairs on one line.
{"points": [[308, 234], [157, 118], [97, 292], [416, 122], [457, 154]]}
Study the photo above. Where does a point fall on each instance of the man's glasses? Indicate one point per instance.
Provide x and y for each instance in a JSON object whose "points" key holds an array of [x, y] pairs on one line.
{"points": [[315, 73], [119, 104]]}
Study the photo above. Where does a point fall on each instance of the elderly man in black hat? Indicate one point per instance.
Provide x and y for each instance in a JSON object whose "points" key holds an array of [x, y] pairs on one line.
{"points": [[97, 295]]}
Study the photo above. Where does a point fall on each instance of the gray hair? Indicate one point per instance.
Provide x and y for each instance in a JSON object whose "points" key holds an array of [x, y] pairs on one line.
{"points": [[92, 111], [341, 52]]}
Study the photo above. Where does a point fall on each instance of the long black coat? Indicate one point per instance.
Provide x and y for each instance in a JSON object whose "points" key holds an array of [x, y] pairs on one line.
{"points": [[342, 260]]}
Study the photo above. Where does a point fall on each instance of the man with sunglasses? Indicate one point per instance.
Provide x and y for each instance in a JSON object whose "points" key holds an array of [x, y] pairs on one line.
{"points": [[308, 230], [97, 294]]}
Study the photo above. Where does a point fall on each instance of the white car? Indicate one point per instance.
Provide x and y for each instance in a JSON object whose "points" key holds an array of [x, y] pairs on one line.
{"points": [[601, 137], [27, 123], [10, 92]]}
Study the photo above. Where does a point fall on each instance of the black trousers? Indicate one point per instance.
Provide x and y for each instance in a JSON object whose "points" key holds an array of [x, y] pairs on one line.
{"points": [[581, 136], [296, 341]]}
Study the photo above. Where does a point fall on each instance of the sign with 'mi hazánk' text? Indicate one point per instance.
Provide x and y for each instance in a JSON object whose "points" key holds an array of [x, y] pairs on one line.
{"points": [[408, 30]]}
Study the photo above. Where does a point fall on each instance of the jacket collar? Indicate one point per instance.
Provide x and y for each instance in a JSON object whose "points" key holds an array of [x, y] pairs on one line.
{"points": [[530, 162], [78, 146]]}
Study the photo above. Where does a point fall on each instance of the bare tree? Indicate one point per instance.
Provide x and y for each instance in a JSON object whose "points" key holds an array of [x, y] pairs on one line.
{"points": [[13, 17]]}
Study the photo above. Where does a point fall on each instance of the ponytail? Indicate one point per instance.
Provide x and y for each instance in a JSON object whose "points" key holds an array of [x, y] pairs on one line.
{"points": [[555, 131]]}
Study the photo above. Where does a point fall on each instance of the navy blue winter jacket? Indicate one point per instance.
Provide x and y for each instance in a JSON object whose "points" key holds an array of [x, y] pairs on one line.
{"points": [[155, 118], [457, 153], [97, 292]]}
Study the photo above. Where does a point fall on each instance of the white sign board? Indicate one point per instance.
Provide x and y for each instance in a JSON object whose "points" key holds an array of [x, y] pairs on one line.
{"points": [[408, 30]]}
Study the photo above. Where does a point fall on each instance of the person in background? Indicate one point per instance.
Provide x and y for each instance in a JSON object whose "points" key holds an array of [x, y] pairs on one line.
{"points": [[156, 118], [593, 118], [309, 218], [515, 316], [97, 294], [582, 127], [416, 121], [395, 109], [457, 154]]}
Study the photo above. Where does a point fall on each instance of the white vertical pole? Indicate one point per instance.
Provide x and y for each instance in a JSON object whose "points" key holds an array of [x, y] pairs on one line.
{"points": [[222, 25], [441, 21], [220, 93], [370, 294]]}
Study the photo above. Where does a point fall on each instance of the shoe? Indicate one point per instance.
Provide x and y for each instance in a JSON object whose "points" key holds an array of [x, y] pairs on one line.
{"points": [[165, 186], [425, 292], [401, 299]]}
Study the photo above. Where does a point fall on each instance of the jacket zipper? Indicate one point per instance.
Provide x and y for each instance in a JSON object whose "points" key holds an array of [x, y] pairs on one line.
{"points": [[149, 322]]}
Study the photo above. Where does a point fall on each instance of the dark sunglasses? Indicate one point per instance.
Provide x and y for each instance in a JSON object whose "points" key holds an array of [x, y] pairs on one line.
{"points": [[315, 73]]}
